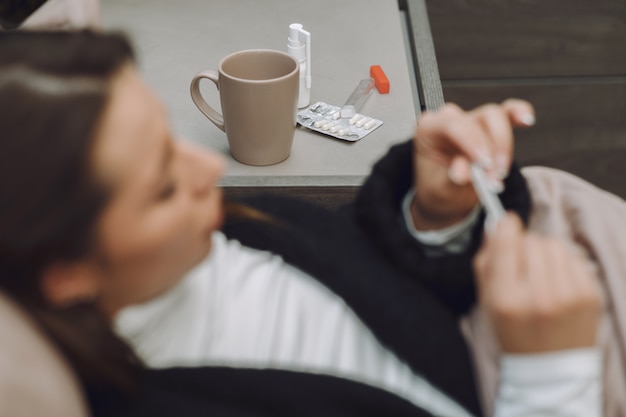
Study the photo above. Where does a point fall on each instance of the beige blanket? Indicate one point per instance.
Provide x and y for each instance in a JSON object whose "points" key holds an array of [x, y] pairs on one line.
{"points": [[594, 223]]}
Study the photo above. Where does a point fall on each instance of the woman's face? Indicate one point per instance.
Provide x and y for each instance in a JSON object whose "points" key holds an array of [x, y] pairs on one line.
{"points": [[165, 202]]}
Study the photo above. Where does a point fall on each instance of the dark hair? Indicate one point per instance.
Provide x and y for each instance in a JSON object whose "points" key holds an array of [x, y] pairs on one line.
{"points": [[53, 90]]}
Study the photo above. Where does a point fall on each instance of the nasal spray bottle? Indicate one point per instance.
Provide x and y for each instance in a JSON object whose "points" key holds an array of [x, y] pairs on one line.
{"points": [[299, 47]]}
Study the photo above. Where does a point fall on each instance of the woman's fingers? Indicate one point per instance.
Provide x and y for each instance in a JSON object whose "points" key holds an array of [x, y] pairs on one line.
{"points": [[460, 171], [496, 124], [585, 298], [451, 132], [483, 135], [498, 121], [545, 300], [565, 313], [544, 268], [521, 113], [499, 261]]}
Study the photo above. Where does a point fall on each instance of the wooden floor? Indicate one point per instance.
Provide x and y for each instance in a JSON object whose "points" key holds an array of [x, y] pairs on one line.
{"points": [[568, 57]]}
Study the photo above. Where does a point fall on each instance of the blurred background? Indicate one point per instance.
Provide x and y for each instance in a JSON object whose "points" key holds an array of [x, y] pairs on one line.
{"points": [[567, 57]]}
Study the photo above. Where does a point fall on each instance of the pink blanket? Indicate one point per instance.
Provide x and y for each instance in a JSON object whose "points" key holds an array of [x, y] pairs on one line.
{"points": [[593, 222]]}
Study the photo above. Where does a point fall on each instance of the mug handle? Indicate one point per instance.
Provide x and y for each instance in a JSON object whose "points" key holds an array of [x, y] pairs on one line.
{"points": [[200, 102]]}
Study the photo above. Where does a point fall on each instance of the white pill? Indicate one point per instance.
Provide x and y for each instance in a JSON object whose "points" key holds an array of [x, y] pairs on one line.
{"points": [[319, 123], [327, 125], [335, 128], [343, 132], [354, 118], [336, 115], [370, 124], [362, 121]]}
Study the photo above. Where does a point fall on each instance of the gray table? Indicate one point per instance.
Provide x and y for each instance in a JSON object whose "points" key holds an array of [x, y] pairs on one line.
{"points": [[176, 39]]}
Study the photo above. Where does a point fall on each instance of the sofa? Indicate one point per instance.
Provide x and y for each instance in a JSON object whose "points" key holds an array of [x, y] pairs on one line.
{"points": [[35, 381]]}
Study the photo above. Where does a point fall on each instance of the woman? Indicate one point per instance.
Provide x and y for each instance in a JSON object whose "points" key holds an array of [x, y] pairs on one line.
{"points": [[288, 309]]}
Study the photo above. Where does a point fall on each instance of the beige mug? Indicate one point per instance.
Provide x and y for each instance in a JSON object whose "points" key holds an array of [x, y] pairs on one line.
{"points": [[258, 91]]}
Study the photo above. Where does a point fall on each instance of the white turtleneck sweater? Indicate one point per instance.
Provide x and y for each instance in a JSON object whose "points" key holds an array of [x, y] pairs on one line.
{"points": [[243, 307]]}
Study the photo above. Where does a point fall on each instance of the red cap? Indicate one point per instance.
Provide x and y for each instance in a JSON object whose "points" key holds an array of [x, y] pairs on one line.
{"points": [[380, 79]]}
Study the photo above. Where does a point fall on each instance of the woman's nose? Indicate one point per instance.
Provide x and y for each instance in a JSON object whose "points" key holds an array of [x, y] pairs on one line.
{"points": [[205, 168]]}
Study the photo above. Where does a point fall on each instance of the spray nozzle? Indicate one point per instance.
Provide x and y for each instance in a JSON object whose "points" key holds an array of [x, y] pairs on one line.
{"points": [[301, 39]]}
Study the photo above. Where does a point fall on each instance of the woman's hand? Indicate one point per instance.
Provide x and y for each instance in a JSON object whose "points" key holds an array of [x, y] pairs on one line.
{"points": [[538, 296], [447, 142]]}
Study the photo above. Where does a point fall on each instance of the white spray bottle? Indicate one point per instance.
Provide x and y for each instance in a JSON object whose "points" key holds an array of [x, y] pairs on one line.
{"points": [[299, 46]]}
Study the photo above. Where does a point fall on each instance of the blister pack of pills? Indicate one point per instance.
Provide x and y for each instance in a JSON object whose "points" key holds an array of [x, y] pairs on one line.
{"points": [[326, 118]]}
